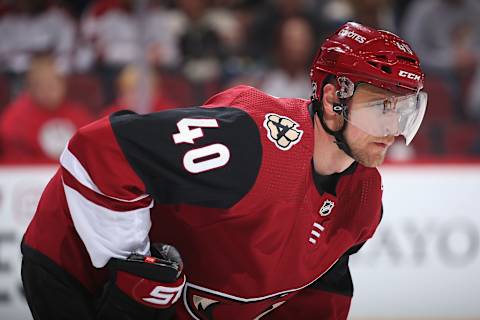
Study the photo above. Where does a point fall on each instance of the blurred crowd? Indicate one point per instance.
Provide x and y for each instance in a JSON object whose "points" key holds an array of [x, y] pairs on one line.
{"points": [[66, 63]]}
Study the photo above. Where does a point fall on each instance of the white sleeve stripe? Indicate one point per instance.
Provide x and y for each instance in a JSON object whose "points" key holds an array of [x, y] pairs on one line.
{"points": [[107, 233], [73, 165]]}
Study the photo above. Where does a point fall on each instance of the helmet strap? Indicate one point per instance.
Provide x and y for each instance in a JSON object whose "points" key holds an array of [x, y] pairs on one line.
{"points": [[340, 108]]}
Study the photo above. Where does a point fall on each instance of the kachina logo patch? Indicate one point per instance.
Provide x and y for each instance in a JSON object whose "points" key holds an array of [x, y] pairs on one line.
{"points": [[282, 131]]}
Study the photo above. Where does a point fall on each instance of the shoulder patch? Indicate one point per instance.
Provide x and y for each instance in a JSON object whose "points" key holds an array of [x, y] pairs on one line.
{"points": [[282, 131]]}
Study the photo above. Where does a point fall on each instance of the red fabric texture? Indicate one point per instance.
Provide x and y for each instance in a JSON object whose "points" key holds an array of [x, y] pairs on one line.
{"points": [[313, 304], [96, 147], [102, 200]]}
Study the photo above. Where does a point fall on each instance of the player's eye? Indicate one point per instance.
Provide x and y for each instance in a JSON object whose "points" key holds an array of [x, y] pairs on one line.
{"points": [[388, 105]]}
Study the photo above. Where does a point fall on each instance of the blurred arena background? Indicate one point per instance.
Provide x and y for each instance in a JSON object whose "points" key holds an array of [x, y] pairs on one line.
{"points": [[66, 63]]}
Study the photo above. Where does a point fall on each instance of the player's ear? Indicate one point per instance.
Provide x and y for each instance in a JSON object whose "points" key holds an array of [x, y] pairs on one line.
{"points": [[332, 119], [329, 97]]}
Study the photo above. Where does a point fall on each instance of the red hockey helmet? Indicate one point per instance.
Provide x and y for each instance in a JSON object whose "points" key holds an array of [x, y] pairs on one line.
{"points": [[363, 54], [358, 54]]}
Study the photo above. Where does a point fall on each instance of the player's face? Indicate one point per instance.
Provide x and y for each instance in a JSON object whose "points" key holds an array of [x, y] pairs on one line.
{"points": [[367, 149]]}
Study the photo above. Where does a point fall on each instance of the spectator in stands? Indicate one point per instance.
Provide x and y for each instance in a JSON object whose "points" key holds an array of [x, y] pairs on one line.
{"points": [[446, 36], [37, 125], [111, 27], [473, 103], [163, 50], [29, 27], [374, 13], [294, 53], [239, 67], [200, 44], [130, 92], [119, 36], [269, 19]]}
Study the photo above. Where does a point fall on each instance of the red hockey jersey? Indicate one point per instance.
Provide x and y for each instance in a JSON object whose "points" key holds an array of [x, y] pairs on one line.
{"points": [[231, 186]]}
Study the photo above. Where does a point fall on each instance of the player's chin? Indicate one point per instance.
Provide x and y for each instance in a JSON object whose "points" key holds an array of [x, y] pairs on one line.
{"points": [[375, 162], [372, 158]]}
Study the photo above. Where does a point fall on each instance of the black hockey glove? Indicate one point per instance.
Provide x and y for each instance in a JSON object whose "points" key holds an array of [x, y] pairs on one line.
{"points": [[143, 287]]}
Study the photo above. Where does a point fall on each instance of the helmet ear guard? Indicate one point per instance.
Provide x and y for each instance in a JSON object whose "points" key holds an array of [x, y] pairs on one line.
{"points": [[345, 89]]}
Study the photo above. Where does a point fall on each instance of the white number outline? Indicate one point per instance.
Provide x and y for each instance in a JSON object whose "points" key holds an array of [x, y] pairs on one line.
{"points": [[187, 135]]}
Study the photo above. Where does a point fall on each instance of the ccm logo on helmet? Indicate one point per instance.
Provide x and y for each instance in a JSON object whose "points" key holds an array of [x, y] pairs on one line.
{"points": [[352, 35], [409, 75]]}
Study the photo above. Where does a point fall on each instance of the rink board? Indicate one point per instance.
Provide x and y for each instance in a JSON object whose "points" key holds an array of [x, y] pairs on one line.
{"points": [[424, 262]]}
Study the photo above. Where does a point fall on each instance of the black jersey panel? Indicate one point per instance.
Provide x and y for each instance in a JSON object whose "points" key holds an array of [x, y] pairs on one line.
{"points": [[329, 183], [213, 159], [336, 280]]}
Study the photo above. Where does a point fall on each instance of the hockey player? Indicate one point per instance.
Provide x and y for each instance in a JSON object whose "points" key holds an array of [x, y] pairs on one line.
{"points": [[265, 198]]}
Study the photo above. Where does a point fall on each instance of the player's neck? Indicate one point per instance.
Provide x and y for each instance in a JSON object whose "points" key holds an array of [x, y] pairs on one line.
{"points": [[327, 157]]}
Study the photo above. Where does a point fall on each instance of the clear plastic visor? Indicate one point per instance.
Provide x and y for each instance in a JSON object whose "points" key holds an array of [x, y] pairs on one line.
{"points": [[392, 116]]}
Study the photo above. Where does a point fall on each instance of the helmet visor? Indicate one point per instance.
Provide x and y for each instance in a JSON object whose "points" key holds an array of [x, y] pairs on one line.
{"points": [[392, 116]]}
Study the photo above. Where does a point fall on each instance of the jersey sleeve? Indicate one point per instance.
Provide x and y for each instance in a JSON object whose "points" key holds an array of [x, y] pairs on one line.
{"points": [[198, 156], [115, 169]]}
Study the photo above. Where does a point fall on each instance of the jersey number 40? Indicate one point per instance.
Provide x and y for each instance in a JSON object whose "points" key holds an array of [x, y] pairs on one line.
{"points": [[201, 159]]}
